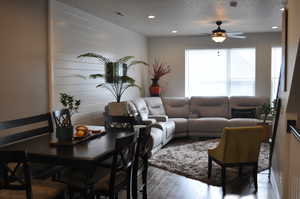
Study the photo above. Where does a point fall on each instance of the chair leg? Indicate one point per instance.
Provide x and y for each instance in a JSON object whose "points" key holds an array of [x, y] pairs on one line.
{"points": [[144, 176], [135, 183], [128, 187], [240, 171], [209, 166], [224, 179], [255, 177]]}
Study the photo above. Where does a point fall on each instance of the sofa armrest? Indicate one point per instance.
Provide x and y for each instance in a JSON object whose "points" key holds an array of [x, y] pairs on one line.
{"points": [[157, 125], [159, 118]]}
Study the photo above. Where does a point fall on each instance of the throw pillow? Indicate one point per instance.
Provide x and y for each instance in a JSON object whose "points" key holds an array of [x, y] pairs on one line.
{"points": [[243, 113]]}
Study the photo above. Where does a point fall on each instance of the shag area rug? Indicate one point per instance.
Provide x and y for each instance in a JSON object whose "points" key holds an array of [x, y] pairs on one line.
{"points": [[189, 158]]}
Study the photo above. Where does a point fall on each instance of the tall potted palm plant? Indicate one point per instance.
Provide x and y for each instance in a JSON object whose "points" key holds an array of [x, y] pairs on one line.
{"points": [[117, 82]]}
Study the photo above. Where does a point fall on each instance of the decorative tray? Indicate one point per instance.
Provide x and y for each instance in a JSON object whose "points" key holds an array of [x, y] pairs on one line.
{"points": [[77, 140]]}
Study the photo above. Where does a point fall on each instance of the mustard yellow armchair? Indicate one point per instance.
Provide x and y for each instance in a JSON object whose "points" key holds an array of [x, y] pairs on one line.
{"points": [[238, 147]]}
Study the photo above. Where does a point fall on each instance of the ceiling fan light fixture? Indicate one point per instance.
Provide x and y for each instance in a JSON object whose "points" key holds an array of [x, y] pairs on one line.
{"points": [[219, 37]]}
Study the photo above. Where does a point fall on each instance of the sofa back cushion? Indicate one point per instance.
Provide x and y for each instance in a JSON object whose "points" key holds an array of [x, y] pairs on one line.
{"points": [[177, 107], [246, 102], [155, 106], [209, 107], [141, 107]]}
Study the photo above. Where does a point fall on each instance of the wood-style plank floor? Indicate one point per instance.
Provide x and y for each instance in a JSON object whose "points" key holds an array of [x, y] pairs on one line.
{"points": [[165, 185]]}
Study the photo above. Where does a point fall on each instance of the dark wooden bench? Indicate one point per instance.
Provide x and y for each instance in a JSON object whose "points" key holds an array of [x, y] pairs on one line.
{"points": [[46, 128]]}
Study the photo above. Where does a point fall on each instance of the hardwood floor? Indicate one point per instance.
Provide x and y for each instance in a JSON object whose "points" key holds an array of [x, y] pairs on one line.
{"points": [[166, 185]]}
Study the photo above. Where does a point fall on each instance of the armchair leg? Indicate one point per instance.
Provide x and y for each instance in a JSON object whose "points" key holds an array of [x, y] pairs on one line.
{"points": [[224, 179], [255, 177], [209, 166]]}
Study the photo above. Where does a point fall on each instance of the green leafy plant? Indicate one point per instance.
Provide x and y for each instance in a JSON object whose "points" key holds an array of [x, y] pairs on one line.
{"points": [[267, 110], [69, 102], [117, 85]]}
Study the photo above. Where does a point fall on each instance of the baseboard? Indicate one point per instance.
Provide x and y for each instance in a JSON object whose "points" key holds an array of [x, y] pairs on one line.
{"points": [[275, 186]]}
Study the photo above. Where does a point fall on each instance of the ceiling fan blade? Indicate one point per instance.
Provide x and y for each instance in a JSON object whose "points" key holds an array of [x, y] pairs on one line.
{"points": [[235, 33], [237, 36], [204, 35]]}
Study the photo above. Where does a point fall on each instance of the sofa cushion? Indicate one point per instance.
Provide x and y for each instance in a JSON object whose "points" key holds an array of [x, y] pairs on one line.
{"points": [[155, 106], [241, 122], [141, 107], [246, 102], [177, 107], [210, 106], [207, 124], [181, 124]]}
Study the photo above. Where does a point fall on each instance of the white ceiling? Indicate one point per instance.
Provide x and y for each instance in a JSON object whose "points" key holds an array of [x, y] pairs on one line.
{"points": [[189, 17]]}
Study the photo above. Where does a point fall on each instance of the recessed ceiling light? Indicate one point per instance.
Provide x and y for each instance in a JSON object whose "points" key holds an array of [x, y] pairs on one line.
{"points": [[120, 13], [275, 27], [151, 17], [282, 9], [174, 31]]}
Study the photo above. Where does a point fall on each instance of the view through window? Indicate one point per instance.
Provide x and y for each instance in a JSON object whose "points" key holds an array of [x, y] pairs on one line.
{"points": [[276, 64], [225, 72]]}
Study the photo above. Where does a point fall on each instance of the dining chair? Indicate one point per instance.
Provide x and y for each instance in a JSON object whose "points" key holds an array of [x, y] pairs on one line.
{"points": [[119, 123], [120, 175], [105, 180], [22, 186], [238, 147], [140, 168]]}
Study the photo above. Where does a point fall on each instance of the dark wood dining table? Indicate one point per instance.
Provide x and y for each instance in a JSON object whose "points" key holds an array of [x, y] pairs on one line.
{"points": [[90, 152]]}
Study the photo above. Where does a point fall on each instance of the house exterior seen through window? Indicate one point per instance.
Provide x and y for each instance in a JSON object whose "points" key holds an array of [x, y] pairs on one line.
{"points": [[224, 72]]}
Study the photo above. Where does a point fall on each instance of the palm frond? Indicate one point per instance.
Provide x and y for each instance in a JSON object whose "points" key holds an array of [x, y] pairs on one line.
{"points": [[101, 85], [137, 62], [97, 56], [95, 76], [125, 59], [127, 79], [81, 76]]}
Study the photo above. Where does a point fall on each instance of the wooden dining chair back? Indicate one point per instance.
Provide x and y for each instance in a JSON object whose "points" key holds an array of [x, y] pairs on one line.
{"points": [[11, 179], [62, 118], [44, 123], [121, 168], [143, 153], [119, 123]]}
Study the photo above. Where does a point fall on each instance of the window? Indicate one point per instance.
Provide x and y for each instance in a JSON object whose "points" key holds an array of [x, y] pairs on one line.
{"points": [[275, 70], [226, 72]]}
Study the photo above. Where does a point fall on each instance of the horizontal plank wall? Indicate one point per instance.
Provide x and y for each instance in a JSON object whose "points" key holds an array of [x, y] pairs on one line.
{"points": [[75, 32]]}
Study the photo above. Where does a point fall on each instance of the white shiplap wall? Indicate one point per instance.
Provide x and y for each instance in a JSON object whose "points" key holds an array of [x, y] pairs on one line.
{"points": [[74, 32]]}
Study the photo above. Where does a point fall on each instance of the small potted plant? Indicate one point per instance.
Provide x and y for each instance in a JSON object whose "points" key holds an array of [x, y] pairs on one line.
{"points": [[157, 70], [267, 113], [64, 127]]}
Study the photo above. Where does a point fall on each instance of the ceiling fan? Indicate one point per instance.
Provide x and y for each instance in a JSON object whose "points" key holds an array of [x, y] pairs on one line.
{"points": [[219, 35]]}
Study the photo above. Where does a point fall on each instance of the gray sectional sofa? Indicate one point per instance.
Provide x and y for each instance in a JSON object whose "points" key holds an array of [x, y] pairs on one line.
{"points": [[194, 117]]}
